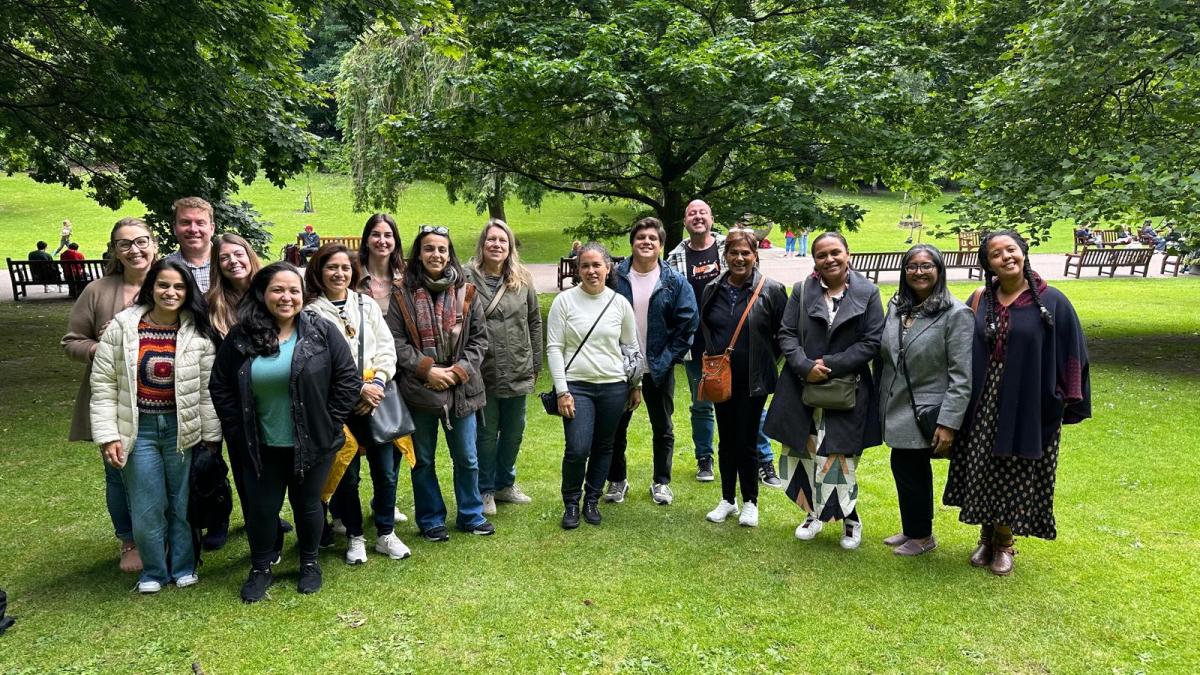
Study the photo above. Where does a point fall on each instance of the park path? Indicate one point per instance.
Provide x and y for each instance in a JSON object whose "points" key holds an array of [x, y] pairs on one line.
{"points": [[787, 270]]}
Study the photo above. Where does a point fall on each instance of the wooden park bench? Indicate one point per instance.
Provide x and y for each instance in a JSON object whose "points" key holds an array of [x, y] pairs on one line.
{"points": [[351, 243], [968, 240], [871, 264], [74, 274], [1108, 239], [568, 268], [964, 260], [1172, 260], [1106, 261]]}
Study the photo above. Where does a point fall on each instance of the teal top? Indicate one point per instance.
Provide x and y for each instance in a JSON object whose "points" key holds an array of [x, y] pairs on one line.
{"points": [[270, 377]]}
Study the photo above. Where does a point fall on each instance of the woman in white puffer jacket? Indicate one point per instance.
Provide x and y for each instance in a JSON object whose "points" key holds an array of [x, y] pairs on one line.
{"points": [[150, 406]]}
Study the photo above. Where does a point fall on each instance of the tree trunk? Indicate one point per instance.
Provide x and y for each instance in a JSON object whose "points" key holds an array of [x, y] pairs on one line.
{"points": [[495, 200], [671, 213]]}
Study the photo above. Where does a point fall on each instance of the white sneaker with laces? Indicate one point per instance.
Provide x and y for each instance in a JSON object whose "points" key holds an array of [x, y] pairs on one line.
{"points": [[148, 587], [391, 546], [661, 493], [398, 515], [809, 529], [187, 580], [851, 534], [338, 527], [489, 504], [749, 517], [724, 510], [513, 495], [356, 553]]}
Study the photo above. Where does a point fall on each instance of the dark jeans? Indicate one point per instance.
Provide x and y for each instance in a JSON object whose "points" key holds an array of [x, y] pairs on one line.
{"points": [[737, 445], [659, 402], [914, 489], [264, 497], [384, 463], [589, 438]]}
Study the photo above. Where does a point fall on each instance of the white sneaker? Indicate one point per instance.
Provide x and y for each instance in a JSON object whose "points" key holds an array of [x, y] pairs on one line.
{"points": [[391, 546], [809, 529], [661, 493], [851, 534], [616, 491], [187, 580], [489, 504], [724, 510], [749, 517], [356, 553], [513, 495], [338, 527], [148, 587], [398, 515]]}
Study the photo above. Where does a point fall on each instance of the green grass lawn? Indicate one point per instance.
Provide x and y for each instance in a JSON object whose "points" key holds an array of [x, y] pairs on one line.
{"points": [[30, 211], [654, 588]]}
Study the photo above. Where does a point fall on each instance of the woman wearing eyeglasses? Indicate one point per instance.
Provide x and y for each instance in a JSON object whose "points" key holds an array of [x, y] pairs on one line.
{"points": [[331, 274], [924, 371], [437, 321], [133, 250]]}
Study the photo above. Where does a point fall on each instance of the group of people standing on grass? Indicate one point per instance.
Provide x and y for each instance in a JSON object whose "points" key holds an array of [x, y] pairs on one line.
{"points": [[206, 348]]}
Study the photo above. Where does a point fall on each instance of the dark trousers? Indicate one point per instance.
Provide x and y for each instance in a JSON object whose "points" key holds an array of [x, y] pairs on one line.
{"points": [[263, 498], [659, 402], [737, 445], [589, 438], [914, 488], [384, 463]]}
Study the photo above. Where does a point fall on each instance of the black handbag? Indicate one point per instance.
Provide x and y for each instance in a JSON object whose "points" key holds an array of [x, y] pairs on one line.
{"points": [[391, 419], [550, 398], [926, 417]]}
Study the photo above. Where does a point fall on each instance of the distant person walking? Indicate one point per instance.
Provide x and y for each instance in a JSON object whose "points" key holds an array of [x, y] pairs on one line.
{"points": [[64, 236], [789, 242]]}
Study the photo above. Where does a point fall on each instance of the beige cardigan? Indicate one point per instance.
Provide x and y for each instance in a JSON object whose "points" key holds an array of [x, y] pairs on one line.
{"points": [[100, 301]]}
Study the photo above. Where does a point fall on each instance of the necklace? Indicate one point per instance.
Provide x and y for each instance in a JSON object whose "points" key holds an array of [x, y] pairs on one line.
{"points": [[164, 324]]}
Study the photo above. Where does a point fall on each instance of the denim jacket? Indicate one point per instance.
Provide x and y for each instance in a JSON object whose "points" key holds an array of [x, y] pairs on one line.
{"points": [[671, 319]]}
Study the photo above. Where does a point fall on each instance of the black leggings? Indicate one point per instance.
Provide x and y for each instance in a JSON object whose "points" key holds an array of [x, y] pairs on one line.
{"points": [[914, 490], [737, 447], [263, 497]]}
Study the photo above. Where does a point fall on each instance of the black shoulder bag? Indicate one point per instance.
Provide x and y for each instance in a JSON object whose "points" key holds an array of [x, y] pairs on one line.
{"points": [[550, 398], [926, 418]]}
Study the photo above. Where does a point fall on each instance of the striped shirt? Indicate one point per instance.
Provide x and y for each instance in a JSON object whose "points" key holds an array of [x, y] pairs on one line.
{"points": [[156, 368]]}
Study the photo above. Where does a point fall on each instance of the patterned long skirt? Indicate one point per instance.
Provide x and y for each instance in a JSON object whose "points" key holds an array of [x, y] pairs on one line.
{"points": [[1008, 490], [825, 486]]}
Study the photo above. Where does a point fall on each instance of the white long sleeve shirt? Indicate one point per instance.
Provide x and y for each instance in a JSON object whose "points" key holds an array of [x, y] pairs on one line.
{"points": [[599, 362]]}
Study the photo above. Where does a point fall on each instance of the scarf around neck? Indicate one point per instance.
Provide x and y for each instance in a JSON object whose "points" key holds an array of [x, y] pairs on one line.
{"points": [[438, 316]]}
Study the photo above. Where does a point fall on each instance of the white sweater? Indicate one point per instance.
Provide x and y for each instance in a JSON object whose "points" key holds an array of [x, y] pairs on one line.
{"points": [[114, 408], [571, 315], [379, 348]]}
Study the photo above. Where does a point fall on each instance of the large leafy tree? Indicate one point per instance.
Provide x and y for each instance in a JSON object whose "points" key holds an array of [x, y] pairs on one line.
{"points": [[158, 99], [749, 105], [1089, 111]]}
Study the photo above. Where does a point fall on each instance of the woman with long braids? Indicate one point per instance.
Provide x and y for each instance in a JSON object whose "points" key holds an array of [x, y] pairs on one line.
{"points": [[1030, 376]]}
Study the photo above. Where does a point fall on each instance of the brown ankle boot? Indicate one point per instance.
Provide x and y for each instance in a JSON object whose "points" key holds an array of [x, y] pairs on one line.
{"points": [[1002, 553], [982, 555]]}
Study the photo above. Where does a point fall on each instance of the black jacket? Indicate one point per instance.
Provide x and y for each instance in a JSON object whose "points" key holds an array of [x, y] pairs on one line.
{"points": [[324, 387], [762, 328], [848, 347]]}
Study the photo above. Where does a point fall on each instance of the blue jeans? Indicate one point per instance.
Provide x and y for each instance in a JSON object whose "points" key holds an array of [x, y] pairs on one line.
{"points": [[789, 245], [156, 478], [764, 443], [703, 419], [589, 438], [118, 503], [802, 245], [428, 505], [501, 426]]}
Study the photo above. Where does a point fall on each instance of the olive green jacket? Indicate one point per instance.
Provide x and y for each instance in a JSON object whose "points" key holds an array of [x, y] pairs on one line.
{"points": [[514, 355]]}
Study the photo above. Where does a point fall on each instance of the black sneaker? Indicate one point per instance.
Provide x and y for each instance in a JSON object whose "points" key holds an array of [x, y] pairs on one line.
{"points": [[215, 538], [483, 529], [591, 512], [256, 585], [570, 519], [436, 534], [310, 578], [704, 472], [285, 525], [766, 472]]}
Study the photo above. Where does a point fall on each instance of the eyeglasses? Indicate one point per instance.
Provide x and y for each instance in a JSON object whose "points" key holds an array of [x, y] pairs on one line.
{"points": [[123, 245], [435, 229], [920, 267], [350, 332]]}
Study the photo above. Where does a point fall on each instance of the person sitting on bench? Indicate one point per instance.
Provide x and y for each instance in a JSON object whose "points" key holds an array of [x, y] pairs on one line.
{"points": [[310, 242], [44, 273]]}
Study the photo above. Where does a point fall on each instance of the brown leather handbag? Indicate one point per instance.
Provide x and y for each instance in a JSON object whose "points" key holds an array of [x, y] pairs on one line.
{"points": [[715, 380]]}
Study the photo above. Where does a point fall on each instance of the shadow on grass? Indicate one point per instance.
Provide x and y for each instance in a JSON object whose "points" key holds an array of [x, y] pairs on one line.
{"points": [[1161, 354]]}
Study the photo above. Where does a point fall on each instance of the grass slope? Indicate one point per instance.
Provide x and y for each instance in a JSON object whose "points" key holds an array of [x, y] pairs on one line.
{"points": [[654, 589], [30, 211]]}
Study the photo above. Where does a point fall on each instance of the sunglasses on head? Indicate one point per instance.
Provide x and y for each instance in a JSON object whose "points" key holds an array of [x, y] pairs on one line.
{"points": [[435, 229]]}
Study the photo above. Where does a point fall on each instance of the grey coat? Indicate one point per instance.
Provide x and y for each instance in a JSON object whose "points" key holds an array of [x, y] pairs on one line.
{"points": [[938, 354], [514, 330], [848, 347]]}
